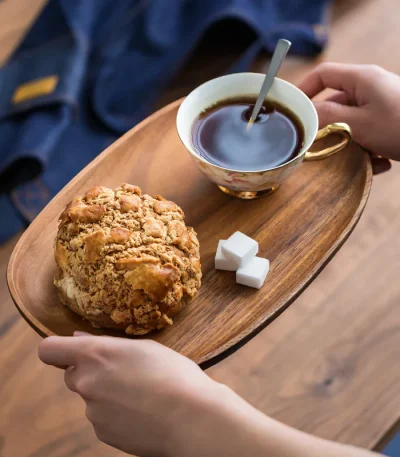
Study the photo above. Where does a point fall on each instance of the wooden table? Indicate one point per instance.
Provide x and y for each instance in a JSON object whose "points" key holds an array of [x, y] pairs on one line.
{"points": [[328, 365]]}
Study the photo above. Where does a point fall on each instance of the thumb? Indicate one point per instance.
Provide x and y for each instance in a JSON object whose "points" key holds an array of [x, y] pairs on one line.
{"points": [[330, 112]]}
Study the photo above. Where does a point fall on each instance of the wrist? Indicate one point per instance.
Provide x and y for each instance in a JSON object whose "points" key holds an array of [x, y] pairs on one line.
{"points": [[216, 421]]}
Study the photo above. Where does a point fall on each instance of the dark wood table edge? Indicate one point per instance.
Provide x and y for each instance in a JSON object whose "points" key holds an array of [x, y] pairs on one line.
{"points": [[385, 439]]}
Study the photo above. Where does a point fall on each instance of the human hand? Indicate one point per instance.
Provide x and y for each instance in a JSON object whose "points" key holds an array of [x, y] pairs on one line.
{"points": [[139, 394], [367, 98], [148, 400]]}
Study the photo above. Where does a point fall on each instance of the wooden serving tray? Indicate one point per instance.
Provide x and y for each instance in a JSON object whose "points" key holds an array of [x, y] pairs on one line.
{"points": [[299, 228]]}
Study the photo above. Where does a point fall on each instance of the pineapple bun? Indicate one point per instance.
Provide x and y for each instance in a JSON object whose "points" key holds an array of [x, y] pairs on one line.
{"points": [[126, 260]]}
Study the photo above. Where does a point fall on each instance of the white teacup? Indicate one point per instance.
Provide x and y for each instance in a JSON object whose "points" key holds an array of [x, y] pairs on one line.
{"points": [[253, 184]]}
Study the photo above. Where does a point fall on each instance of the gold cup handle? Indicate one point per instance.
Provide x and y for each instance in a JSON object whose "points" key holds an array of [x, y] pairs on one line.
{"points": [[339, 128]]}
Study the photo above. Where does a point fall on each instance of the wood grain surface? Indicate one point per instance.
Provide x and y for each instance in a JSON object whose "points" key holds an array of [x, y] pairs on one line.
{"points": [[328, 365], [299, 228]]}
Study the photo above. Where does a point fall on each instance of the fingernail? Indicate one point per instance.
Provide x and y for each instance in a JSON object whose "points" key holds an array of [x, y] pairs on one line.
{"points": [[77, 333]]}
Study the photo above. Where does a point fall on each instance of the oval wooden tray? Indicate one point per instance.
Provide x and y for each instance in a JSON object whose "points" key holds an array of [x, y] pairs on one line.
{"points": [[299, 228]]}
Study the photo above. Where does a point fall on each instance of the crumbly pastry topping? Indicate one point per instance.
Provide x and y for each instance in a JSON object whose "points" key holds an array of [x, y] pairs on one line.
{"points": [[126, 260]]}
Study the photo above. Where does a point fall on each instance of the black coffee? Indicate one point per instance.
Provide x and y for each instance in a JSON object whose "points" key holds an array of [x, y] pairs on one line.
{"points": [[220, 135]]}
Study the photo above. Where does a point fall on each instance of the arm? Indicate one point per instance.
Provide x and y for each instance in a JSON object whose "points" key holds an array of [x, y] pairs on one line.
{"points": [[230, 427], [147, 400]]}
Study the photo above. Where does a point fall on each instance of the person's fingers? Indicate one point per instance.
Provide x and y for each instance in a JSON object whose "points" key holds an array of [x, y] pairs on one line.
{"points": [[78, 333], [337, 76], [343, 98], [92, 413], [380, 164], [70, 378], [330, 112], [81, 381], [60, 351]]}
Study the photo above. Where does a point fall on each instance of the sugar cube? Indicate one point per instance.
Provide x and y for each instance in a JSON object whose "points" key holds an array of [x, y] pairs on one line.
{"points": [[240, 248], [253, 274], [221, 261]]}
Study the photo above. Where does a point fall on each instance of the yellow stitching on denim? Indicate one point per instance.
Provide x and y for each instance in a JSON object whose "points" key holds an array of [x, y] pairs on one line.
{"points": [[34, 89]]}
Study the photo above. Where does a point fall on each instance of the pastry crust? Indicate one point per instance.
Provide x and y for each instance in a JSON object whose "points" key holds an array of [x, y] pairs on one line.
{"points": [[126, 260]]}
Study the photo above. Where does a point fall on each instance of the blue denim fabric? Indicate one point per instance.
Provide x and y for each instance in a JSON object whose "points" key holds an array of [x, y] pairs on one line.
{"points": [[107, 54]]}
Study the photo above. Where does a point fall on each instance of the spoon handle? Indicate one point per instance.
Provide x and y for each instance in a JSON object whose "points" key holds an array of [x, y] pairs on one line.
{"points": [[279, 55]]}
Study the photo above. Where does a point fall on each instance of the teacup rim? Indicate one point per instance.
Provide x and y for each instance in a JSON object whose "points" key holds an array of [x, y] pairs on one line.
{"points": [[304, 149]]}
